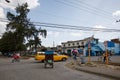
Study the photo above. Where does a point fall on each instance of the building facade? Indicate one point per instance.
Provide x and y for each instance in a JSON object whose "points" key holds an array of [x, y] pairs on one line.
{"points": [[96, 48], [68, 46]]}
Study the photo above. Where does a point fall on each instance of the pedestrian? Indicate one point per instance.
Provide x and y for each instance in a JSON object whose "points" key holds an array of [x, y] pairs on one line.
{"points": [[104, 57], [109, 57], [82, 58], [75, 53]]}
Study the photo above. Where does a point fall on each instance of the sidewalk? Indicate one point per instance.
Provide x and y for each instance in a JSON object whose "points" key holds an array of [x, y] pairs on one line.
{"points": [[98, 69]]}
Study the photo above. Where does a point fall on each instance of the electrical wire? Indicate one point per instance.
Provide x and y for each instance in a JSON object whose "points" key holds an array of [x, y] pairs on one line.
{"points": [[93, 7], [76, 6], [70, 27]]}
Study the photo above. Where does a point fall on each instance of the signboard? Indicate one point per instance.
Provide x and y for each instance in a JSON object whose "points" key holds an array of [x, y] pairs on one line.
{"points": [[105, 43], [49, 52], [89, 45]]}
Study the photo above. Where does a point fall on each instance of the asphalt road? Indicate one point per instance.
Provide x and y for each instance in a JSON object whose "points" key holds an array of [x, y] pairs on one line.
{"points": [[32, 70]]}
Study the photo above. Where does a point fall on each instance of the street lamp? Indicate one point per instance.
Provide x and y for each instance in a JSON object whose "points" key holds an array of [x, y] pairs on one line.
{"points": [[119, 45]]}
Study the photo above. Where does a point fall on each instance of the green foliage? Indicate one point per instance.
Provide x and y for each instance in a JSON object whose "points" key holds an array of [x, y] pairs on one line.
{"points": [[19, 31]]}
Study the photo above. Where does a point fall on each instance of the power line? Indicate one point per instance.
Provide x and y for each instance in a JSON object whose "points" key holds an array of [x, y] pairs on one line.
{"points": [[93, 7], [76, 19], [75, 5], [53, 14], [4, 20], [71, 27]]}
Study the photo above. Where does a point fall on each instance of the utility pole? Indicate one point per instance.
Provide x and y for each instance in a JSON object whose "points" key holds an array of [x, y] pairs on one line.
{"points": [[53, 44], [119, 44], [106, 53], [89, 49]]}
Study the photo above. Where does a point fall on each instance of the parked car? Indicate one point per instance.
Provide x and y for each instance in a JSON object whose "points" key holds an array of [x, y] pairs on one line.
{"points": [[40, 56]]}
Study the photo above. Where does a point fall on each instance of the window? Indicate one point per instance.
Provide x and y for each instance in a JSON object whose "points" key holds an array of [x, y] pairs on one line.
{"points": [[68, 44], [82, 43], [73, 44]]}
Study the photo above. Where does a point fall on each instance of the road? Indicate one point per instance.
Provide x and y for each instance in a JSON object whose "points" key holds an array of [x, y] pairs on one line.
{"points": [[32, 70]]}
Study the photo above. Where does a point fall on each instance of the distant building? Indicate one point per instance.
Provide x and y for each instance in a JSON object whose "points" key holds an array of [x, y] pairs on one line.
{"points": [[68, 46], [82, 46], [96, 48], [116, 47]]}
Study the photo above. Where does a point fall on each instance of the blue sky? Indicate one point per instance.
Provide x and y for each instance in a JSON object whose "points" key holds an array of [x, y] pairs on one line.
{"points": [[88, 13]]}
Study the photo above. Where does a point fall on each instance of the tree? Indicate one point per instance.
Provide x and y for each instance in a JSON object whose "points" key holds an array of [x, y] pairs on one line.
{"points": [[19, 24], [36, 37], [8, 43], [36, 41], [21, 30]]}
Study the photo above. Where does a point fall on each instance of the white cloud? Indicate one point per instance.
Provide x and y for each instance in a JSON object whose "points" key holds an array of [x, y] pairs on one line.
{"points": [[53, 33], [31, 3], [59, 43], [12, 5], [76, 34], [99, 26], [116, 13], [2, 19], [2, 15], [2, 27]]}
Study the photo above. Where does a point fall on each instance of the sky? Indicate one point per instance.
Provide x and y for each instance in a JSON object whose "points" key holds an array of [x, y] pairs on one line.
{"points": [[100, 14]]}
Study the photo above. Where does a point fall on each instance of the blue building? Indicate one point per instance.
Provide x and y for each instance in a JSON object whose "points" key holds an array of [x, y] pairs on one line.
{"points": [[98, 48], [116, 47]]}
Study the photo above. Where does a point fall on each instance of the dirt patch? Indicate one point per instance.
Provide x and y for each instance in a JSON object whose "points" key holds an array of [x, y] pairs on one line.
{"points": [[114, 66]]}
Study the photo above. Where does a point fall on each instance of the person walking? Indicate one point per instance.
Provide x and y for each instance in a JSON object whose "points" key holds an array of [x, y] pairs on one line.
{"points": [[74, 55], [104, 57], [82, 58]]}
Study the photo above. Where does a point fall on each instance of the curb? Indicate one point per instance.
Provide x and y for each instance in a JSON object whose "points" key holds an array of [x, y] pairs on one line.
{"points": [[97, 73], [92, 72]]}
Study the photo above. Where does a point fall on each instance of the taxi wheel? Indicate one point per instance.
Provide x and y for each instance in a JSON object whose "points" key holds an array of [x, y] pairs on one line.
{"points": [[42, 61], [64, 59]]}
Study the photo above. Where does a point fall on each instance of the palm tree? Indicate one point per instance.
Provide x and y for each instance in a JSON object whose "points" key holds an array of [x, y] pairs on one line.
{"points": [[30, 44], [37, 40]]}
